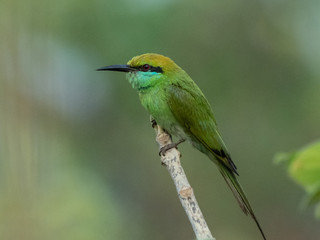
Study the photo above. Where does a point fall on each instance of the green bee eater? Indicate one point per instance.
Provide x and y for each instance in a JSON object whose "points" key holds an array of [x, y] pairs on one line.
{"points": [[178, 105]]}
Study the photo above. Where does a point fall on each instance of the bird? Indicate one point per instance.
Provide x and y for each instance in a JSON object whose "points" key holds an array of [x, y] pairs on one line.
{"points": [[178, 105]]}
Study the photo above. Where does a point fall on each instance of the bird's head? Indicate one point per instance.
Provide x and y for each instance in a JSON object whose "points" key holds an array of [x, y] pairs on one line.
{"points": [[146, 70]]}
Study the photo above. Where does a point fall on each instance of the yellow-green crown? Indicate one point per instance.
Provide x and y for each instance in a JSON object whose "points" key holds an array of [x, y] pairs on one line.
{"points": [[155, 60]]}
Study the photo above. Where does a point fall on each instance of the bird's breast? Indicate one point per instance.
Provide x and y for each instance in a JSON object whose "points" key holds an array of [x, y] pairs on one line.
{"points": [[156, 103]]}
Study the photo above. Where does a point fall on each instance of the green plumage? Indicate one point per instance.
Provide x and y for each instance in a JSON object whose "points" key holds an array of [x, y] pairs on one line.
{"points": [[179, 106]]}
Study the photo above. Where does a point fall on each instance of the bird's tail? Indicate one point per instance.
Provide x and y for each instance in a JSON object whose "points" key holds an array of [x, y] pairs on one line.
{"points": [[239, 194]]}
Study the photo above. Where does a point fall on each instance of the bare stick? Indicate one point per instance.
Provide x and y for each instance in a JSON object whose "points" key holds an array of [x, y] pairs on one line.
{"points": [[171, 159]]}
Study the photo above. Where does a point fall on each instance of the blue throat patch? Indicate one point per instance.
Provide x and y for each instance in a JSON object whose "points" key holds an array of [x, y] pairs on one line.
{"points": [[143, 80]]}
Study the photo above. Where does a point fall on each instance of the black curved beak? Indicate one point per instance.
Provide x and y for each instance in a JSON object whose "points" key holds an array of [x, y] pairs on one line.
{"points": [[118, 68]]}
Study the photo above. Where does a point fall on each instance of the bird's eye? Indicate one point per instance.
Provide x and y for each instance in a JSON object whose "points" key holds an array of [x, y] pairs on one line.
{"points": [[145, 67]]}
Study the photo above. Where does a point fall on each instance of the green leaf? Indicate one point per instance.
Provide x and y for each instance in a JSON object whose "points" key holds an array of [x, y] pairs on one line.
{"points": [[304, 169], [284, 157]]}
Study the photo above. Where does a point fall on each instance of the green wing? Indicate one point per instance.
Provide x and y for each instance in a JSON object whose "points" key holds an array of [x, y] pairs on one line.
{"points": [[193, 112]]}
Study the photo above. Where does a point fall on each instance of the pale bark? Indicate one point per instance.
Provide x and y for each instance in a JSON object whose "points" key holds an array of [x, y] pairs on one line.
{"points": [[171, 159]]}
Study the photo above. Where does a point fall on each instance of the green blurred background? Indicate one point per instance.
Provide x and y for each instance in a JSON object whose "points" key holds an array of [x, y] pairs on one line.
{"points": [[78, 159]]}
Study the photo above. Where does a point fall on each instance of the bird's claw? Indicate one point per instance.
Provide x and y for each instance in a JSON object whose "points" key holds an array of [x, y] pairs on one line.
{"points": [[153, 123], [165, 148]]}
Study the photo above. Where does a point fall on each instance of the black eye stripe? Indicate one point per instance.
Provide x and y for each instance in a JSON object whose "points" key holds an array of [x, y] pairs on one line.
{"points": [[151, 69], [156, 69]]}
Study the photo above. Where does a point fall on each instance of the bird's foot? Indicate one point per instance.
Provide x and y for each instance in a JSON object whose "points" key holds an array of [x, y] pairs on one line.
{"points": [[153, 122], [165, 148]]}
